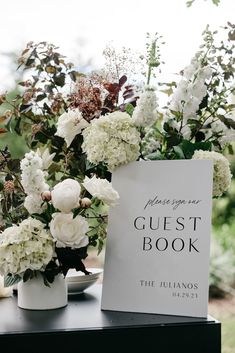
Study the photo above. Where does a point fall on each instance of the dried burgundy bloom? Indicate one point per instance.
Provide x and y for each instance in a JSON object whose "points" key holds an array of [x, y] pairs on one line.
{"points": [[87, 98]]}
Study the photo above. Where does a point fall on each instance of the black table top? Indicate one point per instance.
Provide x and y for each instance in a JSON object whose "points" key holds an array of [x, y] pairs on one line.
{"points": [[82, 313]]}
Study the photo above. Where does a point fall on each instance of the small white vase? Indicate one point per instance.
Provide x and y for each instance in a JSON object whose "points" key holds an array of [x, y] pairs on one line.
{"points": [[34, 295]]}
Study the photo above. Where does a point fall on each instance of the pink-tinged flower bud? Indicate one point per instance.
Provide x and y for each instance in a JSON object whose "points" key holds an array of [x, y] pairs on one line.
{"points": [[9, 186], [46, 195], [85, 202]]}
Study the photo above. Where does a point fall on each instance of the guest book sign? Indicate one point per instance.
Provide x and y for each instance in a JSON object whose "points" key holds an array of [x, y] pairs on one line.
{"points": [[157, 253]]}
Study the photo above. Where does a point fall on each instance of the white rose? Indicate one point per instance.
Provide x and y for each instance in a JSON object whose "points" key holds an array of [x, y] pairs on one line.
{"points": [[66, 195], [70, 124], [69, 231], [102, 189]]}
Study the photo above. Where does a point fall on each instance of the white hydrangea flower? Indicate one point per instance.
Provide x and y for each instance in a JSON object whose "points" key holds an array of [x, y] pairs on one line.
{"points": [[70, 124], [27, 246], [112, 139], [221, 174], [144, 113], [69, 231], [102, 189]]}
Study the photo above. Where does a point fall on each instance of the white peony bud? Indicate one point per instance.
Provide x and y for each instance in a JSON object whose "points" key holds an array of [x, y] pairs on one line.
{"points": [[46, 195], [85, 202]]}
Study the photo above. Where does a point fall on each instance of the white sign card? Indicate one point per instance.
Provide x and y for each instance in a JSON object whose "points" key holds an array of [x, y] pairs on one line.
{"points": [[158, 244]]}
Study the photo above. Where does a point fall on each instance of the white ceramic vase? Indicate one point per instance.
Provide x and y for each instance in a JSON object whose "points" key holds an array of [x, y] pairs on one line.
{"points": [[34, 295]]}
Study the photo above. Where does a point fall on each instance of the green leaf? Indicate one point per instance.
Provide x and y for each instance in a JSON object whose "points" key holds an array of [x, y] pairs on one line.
{"points": [[73, 75], [10, 280], [204, 102], [179, 152], [29, 62], [230, 149], [17, 126], [8, 177], [200, 136], [76, 212], [41, 137], [24, 108], [129, 109], [155, 156], [227, 121], [189, 148], [59, 80], [47, 108], [167, 91], [189, 3], [14, 165], [28, 274], [100, 245], [231, 35], [40, 97]]}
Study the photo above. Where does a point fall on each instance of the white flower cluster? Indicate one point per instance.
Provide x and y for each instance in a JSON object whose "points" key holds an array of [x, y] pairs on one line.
{"points": [[191, 89], [217, 128], [150, 142], [33, 178], [145, 113], [70, 124], [27, 246], [221, 173], [102, 189], [112, 139]]}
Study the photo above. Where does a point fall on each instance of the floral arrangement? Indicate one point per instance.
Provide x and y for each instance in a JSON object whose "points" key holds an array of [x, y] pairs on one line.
{"points": [[55, 235], [79, 128]]}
